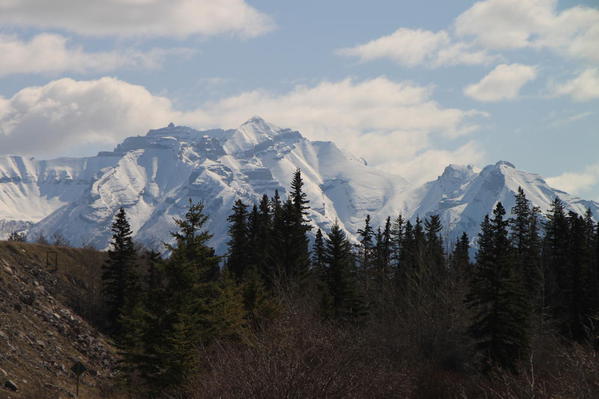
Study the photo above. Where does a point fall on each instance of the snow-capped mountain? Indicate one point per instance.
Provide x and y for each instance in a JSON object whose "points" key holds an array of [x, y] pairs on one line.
{"points": [[462, 196], [154, 176]]}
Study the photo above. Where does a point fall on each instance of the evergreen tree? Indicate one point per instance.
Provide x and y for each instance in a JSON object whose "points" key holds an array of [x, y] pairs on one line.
{"points": [[407, 253], [460, 257], [500, 324], [381, 267], [291, 255], [417, 270], [526, 242], [434, 248], [397, 232], [557, 278], [345, 302], [263, 242], [318, 252], [191, 305], [578, 295], [119, 279], [238, 255], [300, 226], [365, 236]]}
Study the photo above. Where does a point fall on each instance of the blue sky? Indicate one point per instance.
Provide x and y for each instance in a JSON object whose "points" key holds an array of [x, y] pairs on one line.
{"points": [[409, 86]]}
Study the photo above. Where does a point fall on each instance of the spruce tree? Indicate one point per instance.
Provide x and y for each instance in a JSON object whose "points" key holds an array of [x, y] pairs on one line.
{"points": [[191, 305], [119, 278], [434, 249], [397, 232], [345, 302], [460, 257], [579, 323], [407, 253], [290, 226], [300, 226], [318, 254], [366, 248], [557, 277], [524, 235], [263, 243], [238, 254], [497, 298]]}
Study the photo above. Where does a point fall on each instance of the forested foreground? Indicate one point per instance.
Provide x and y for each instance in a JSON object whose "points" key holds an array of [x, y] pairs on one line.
{"points": [[393, 315]]}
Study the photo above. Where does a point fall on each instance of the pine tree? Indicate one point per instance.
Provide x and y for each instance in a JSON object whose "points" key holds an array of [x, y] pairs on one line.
{"points": [[290, 252], [397, 232], [119, 279], [460, 257], [365, 236], [238, 255], [578, 295], [557, 279], [500, 324], [278, 243], [318, 252], [300, 226], [191, 304], [407, 254], [381, 262], [525, 240], [263, 243], [345, 302], [434, 249]]}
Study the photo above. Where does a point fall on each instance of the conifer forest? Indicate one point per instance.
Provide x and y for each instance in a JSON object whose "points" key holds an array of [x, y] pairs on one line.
{"points": [[290, 312]]}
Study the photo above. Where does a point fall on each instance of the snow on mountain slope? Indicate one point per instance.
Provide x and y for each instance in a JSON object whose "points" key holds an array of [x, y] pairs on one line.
{"points": [[155, 175], [462, 196]]}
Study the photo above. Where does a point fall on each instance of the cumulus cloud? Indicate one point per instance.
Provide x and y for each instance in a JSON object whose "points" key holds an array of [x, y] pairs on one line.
{"points": [[51, 53], [487, 26], [584, 87], [393, 124], [167, 18], [515, 24], [576, 182], [502, 83], [66, 113], [414, 47]]}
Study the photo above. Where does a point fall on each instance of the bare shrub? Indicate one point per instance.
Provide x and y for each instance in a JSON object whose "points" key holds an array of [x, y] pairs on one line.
{"points": [[298, 356]]}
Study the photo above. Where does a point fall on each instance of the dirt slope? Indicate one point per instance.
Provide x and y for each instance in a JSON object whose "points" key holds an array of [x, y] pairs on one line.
{"points": [[46, 295]]}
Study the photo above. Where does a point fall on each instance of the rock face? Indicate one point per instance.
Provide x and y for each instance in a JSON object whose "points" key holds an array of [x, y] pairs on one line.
{"points": [[154, 176], [43, 327]]}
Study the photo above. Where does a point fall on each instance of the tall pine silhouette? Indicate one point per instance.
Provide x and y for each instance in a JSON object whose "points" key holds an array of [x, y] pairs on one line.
{"points": [[497, 298], [119, 278]]}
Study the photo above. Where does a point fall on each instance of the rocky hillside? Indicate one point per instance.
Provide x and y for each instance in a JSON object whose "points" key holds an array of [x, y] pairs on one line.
{"points": [[48, 300]]}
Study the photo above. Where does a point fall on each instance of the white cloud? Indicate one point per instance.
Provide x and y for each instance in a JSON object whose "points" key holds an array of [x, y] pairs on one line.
{"points": [[51, 54], [584, 87], [460, 53], [170, 18], [65, 114], [414, 47], [576, 182], [491, 25], [502, 83], [515, 24], [393, 124]]}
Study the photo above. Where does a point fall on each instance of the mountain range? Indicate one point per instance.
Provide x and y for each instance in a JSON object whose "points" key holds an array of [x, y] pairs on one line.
{"points": [[154, 176]]}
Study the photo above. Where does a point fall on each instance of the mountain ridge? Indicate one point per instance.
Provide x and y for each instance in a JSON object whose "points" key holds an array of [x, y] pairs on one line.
{"points": [[154, 175]]}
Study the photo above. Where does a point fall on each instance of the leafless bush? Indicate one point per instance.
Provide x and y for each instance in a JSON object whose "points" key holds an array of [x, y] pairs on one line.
{"points": [[298, 356]]}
